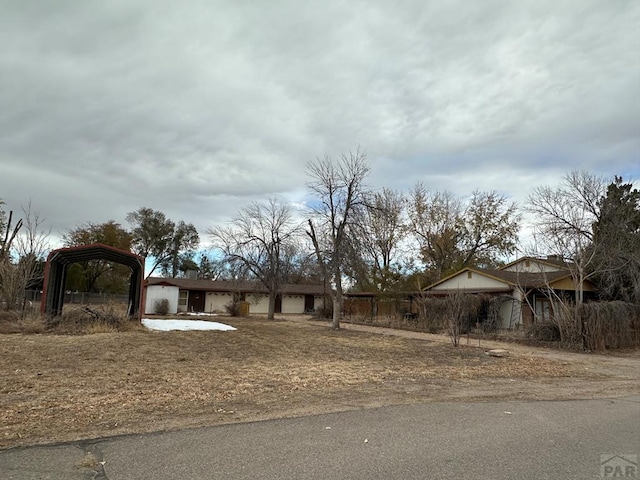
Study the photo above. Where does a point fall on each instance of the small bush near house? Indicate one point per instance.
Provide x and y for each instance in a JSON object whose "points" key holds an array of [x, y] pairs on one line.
{"points": [[324, 312], [610, 325], [433, 314], [489, 313], [234, 308], [161, 307], [543, 332], [595, 326]]}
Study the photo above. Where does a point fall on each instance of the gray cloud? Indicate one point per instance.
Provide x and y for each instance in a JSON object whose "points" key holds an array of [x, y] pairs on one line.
{"points": [[197, 108]]}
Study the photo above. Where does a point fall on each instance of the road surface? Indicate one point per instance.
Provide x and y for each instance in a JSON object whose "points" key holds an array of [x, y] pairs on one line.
{"points": [[581, 439]]}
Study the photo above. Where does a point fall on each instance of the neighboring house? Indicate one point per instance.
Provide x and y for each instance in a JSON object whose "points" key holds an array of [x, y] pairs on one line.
{"points": [[527, 288], [185, 295]]}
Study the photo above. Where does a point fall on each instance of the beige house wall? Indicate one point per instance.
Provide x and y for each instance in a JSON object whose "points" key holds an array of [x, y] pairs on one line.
{"points": [[505, 313], [568, 284], [463, 282], [531, 266], [258, 303], [290, 304], [216, 301], [293, 304]]}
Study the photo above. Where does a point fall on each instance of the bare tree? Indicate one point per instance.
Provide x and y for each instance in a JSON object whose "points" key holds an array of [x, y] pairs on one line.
{"points": [[563, 227], [23, 260], [436, 223], [378, 241], [461, 308], [340, 192], [8, 232], [563, 223], [491, 226], [261, 239], [453, 234]]}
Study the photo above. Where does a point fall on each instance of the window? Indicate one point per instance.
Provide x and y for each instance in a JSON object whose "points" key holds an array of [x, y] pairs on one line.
{"points": [[543, 309], [182, 299], [469, 275]]}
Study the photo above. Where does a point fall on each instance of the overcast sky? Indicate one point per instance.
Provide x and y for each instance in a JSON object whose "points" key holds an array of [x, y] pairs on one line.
{"points": [[197, 108]]}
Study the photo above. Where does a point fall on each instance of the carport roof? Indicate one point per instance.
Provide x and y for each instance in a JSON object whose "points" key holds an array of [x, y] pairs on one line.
{"points": [[95, 251]]}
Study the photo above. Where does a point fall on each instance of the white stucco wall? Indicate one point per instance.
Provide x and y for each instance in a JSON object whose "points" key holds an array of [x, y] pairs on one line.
{"points": [[505, 313], [463, 282], [158, 292], [513, 306], [216, 301]]}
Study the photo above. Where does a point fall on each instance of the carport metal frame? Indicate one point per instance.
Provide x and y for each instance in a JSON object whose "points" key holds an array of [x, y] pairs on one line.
{"points": [[58, 261]]}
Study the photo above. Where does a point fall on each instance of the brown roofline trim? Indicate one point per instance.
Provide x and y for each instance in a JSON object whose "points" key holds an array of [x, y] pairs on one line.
{"points": [[469, 269]]}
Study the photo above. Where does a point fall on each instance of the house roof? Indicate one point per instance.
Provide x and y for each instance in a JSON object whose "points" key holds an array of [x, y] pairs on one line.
{"points": [[510, 279], [526, 279], [550, 260], [235, 286], [450, 291]]}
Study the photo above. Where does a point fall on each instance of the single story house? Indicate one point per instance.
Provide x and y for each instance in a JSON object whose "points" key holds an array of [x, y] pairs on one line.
{"points": [[527, 286], [187, 295]]}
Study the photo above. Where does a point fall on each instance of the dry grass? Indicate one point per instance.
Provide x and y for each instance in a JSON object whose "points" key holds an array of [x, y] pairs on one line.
{"points": [[55, 387], [14, 322], [76, 320]]}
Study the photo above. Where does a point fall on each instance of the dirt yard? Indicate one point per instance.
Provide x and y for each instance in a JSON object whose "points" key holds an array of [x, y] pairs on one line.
{"points": [[60, 388]]}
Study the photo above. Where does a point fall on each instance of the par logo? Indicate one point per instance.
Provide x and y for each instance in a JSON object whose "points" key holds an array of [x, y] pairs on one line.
{"points": [[619, 466]]}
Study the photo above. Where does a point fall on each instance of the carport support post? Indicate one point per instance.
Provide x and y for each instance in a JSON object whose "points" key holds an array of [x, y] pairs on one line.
{"points": [[60, 302], [135, 293], [53, 293]]}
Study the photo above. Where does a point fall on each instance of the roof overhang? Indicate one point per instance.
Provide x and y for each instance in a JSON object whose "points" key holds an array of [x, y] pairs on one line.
{"points": [[451, 291]]}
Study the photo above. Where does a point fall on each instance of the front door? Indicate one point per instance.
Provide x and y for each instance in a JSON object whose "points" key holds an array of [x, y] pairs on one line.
{"points": [[278, 306], [309, 303], [196, 301]]}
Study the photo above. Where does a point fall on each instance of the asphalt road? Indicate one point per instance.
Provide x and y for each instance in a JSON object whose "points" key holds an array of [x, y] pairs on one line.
{"points": [[485, 440]]}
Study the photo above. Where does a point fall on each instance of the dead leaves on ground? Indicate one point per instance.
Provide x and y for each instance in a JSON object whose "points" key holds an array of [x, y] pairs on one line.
{"points": [[62, 387]]}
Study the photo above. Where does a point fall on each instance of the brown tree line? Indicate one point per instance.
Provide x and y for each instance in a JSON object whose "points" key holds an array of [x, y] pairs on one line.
{"points": [[369, 240], [389, 241]]}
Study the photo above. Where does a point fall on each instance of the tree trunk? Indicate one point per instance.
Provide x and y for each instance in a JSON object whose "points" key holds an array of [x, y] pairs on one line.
{"points": [[337, 310], [272, 306], [337, 302]]}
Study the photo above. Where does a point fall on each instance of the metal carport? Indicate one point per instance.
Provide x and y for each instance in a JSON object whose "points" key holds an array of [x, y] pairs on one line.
{"points": [[58, 261]]}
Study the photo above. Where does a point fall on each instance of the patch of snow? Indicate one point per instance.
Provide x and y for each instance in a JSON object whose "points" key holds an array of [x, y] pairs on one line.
{"points": [[168, 325], [201, 314]]}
